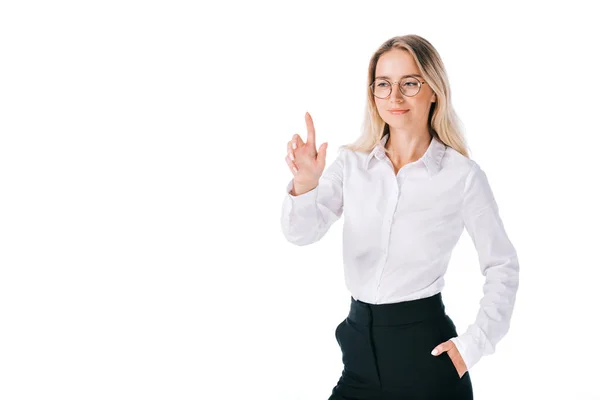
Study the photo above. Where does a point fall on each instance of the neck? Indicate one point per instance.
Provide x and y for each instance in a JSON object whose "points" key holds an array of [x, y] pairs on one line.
{"points": [[407, 147]]}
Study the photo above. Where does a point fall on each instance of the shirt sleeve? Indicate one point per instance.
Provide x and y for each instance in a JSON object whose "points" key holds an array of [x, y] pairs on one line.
{"points": [[498, 263], [307, 217]]}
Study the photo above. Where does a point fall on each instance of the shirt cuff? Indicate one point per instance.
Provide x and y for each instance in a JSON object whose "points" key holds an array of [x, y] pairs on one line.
{"points": [[471, 345], [302, 200]]}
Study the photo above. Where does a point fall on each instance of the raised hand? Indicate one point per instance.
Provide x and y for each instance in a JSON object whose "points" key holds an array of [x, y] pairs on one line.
{"points": [[304, 161]]}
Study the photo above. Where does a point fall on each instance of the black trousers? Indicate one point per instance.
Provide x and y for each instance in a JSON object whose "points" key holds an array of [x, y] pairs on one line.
{"points": [[386, 352]]}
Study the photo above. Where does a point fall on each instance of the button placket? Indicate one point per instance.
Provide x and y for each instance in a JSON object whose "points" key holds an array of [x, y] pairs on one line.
{"points": [[386, 233]]}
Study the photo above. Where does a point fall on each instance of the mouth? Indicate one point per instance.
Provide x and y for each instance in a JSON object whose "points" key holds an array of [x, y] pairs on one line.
{"points": [[397, 111]]}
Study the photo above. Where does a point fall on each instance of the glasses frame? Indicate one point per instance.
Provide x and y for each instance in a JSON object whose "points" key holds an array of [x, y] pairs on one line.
{"points": [[400, 87]]}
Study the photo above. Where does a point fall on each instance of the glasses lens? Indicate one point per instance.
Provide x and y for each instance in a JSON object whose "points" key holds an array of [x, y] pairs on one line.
{"points": [[381, 88], [409, 86]]}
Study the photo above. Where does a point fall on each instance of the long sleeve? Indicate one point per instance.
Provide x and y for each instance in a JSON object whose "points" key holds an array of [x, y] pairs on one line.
{"points": [[307, 217], [498, 263]]}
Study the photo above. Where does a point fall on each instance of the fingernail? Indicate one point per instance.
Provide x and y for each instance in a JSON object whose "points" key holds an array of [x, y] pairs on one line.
{"points": [[295, 170], [294, 145], [434, 352], [291, 156]]}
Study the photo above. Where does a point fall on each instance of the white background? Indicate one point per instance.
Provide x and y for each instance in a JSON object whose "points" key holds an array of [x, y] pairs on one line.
{"points": [[142, 174]]}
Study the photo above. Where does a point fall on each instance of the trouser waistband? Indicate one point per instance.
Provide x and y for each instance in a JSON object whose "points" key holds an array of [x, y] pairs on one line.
{"points": [[404, 312]]}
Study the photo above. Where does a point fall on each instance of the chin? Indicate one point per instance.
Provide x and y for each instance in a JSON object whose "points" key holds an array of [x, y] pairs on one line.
{"points": [[396, 124]]}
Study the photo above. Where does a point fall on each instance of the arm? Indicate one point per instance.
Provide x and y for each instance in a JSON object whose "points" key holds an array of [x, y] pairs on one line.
{"points": [[498, 263], [306, 218]]}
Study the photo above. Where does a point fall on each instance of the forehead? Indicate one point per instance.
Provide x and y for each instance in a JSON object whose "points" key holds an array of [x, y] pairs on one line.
{"points": [[396, 63]]}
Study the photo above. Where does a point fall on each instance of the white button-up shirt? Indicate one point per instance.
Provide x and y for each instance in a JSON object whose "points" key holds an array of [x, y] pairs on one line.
{"points": [[399, 232]]}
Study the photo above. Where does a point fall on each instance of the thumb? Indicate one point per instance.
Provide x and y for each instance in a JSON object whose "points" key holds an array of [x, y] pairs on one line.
{"points": [[321, 154], [443, 347]]}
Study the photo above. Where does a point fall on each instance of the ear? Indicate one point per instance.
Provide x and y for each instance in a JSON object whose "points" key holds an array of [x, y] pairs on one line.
{"points": [[433, 98]]}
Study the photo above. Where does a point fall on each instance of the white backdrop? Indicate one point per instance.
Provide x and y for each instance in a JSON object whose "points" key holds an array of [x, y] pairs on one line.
{"points": [[142, 174]]}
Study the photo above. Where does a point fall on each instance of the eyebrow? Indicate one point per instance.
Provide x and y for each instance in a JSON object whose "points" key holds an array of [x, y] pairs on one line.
{"points": [[403, 76]]}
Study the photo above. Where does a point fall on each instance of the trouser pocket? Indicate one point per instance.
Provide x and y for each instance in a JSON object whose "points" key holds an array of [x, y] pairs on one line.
{"points": [[447, 330]]}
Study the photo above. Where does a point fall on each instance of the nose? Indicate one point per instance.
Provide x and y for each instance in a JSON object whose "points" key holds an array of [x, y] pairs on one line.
{"points": [[396, 92]]}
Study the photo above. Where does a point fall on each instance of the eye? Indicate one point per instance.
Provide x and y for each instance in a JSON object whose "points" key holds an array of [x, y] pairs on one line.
{"points": [[383, 84]]}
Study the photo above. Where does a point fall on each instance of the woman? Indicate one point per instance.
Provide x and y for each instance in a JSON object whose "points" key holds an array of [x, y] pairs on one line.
{"points": [[407, 188]]}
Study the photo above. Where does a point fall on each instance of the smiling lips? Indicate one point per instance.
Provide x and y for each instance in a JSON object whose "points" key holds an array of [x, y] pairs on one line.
{"points": [[397, 111]]}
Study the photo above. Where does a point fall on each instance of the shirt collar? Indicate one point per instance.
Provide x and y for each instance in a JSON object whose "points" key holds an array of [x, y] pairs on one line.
{"points": [[432, 157]]}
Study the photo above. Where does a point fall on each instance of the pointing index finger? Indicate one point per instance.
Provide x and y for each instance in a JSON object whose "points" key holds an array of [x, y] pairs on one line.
{"points": [[310, 127]]}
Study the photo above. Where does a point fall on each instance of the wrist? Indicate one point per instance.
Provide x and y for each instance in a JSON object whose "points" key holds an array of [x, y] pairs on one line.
{"points": [[299, 189]]}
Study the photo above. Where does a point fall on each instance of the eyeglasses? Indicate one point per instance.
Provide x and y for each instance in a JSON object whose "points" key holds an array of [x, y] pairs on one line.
{"points": [[409, 86]]}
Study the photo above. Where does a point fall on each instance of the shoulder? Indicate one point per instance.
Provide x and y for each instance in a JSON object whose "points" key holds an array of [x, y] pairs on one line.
{"points": [[465, 171], [473, 179], [338, 161], [458, 164], [349, 158]]}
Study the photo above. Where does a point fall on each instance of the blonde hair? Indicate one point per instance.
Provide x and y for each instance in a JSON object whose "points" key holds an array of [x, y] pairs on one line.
{"points": [[443, 122]]}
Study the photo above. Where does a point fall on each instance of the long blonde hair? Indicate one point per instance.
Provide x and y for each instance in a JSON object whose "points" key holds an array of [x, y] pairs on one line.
{"points": [[443, 122]]}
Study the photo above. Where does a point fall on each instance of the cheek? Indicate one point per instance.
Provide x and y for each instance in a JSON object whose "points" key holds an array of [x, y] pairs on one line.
{"points": [[380, 104], [419, 106], [381, 110]]}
